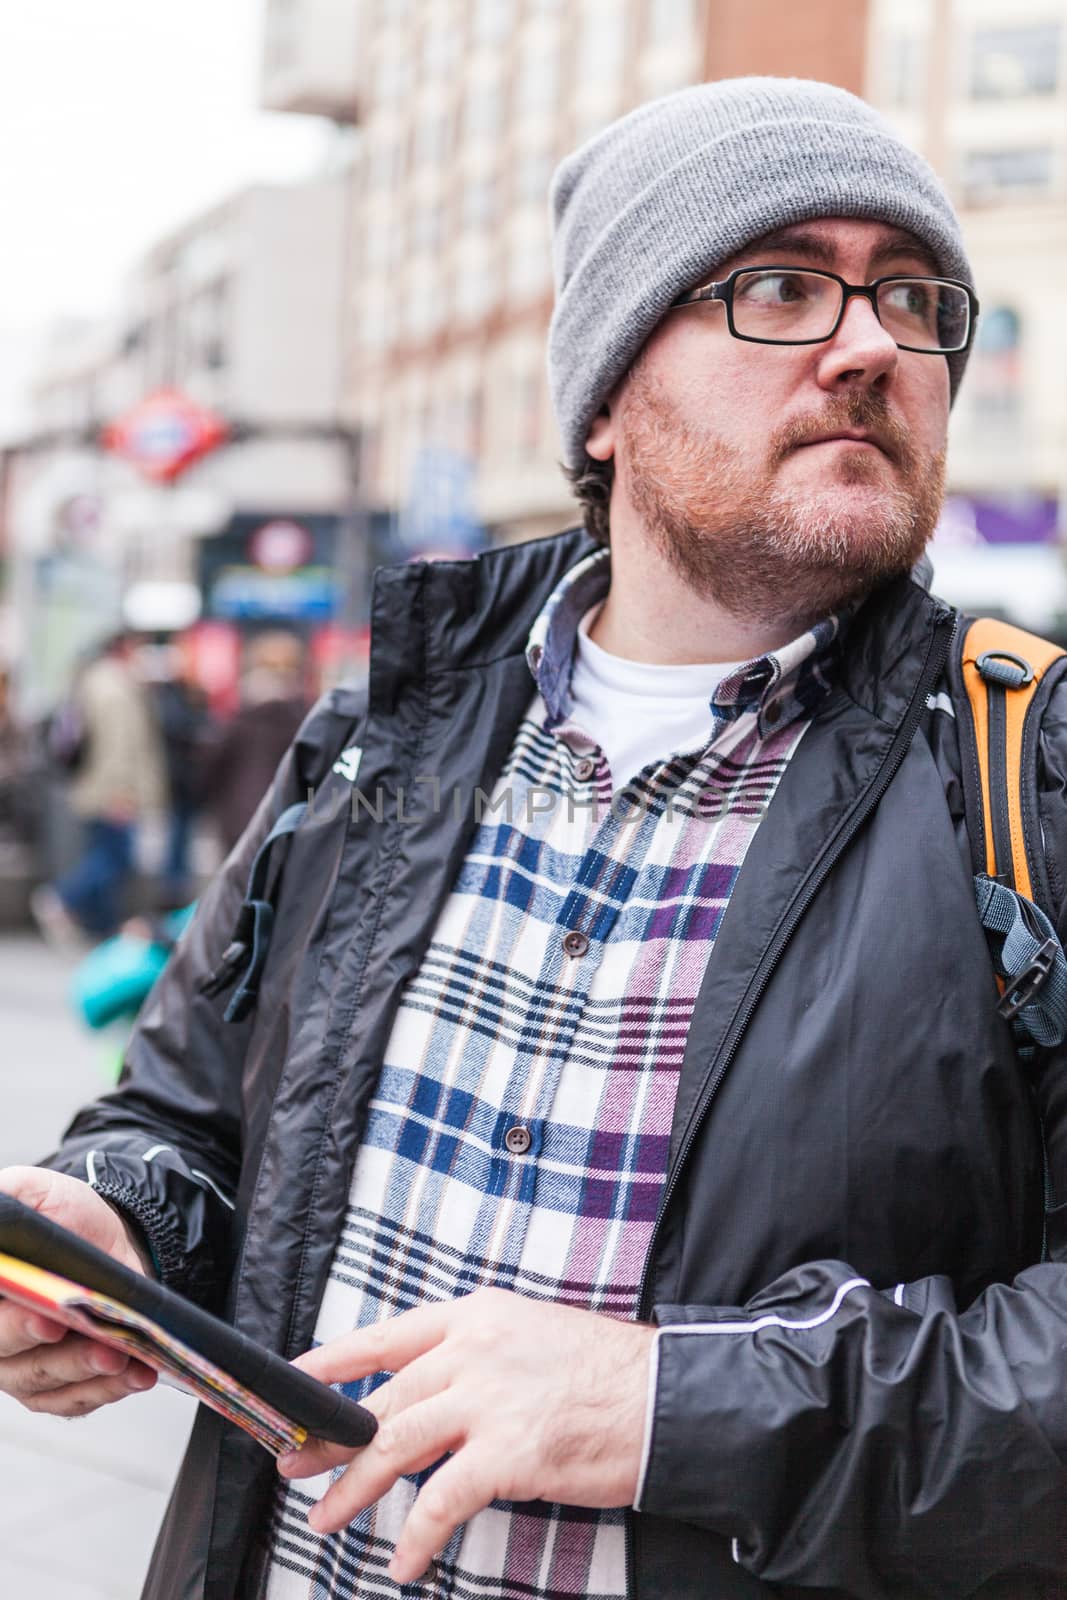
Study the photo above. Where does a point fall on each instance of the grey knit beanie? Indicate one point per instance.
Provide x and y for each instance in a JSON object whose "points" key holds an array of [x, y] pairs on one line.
{"points": [[649, 207]]}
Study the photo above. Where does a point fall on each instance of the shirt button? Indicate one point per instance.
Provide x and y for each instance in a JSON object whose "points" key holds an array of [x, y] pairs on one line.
{"points": [[575, 943], [584, 769], [518, 1140], [772, 714]]}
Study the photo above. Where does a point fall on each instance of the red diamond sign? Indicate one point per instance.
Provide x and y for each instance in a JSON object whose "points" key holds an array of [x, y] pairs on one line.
{"points": [[164, 434]]}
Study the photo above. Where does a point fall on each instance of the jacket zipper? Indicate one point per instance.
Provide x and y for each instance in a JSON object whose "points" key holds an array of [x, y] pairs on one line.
{"points": [[934, 666]]}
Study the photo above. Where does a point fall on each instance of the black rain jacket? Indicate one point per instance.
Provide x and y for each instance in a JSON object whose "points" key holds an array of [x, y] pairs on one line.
{"points": [[861, 1258]]}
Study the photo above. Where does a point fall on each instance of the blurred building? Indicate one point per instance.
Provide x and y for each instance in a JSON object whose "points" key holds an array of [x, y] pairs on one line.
{"points": [[980, 86], [313, 57], [236, 312], [465, 107]]}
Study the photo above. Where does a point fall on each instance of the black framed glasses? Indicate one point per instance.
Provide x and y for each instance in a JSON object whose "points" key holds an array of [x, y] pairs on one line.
{"points": [[801, 305]]}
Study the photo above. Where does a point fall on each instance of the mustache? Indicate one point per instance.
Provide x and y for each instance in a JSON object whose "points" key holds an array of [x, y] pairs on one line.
{"points": [[868, 411]]}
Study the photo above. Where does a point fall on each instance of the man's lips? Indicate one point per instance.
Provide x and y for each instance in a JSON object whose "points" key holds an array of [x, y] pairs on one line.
{"points": [[849, 436], [847, 439]]}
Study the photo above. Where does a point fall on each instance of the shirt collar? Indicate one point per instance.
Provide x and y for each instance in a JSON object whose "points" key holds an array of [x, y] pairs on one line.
{"points": [[778, 687]]}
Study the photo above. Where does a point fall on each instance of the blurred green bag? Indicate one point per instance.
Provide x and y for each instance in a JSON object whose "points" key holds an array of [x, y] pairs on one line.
{"points": [[114, 979]]}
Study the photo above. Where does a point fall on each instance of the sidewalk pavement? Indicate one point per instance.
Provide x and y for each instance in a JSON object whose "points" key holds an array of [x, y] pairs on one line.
{"points": [[81, 1500]]}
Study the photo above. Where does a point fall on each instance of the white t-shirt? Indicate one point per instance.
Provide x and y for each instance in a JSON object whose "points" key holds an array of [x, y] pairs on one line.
{"points": [[640, 711]]}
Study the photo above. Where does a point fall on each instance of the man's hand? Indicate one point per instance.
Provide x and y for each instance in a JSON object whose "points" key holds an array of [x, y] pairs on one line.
{"points": [[43, 1364], [532, 1401]]}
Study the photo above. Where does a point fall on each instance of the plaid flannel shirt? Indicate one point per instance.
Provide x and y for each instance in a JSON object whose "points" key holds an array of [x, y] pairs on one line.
{"points": [[519, 1132]]}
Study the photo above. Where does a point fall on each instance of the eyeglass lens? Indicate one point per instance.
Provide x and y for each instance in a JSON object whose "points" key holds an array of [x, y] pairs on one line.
{"points": [[924, 313]]}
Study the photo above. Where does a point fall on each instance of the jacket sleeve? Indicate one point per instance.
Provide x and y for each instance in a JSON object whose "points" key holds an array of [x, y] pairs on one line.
{"points": [[165, 1147], [881, 1439], [880, 1443]]}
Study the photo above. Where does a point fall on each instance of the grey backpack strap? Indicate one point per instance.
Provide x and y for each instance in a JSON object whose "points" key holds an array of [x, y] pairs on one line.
{"points": [[1029, 957], [255, 922]]}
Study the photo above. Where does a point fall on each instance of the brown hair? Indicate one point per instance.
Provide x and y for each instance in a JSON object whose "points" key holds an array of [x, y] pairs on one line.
{"points": [[591, 483]]}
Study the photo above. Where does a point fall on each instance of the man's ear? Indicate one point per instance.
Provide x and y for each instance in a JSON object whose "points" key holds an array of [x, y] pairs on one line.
{"points": [[600, 441]]}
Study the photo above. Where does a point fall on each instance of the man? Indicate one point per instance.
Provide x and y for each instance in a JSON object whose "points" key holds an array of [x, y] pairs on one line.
{"points": [[247, 751], [119, 779], [670, 1154]]}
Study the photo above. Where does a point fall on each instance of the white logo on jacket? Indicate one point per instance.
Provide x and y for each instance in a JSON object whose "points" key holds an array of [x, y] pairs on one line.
{"points": [[347, 763]]}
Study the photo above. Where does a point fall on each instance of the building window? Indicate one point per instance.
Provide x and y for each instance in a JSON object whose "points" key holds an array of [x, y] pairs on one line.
{"points": [[602, 48], [670, 22], [528, 409], [483, 110], [529, 265], [1008, 63], [282, 49], [376, 247], [538, 85], [427, 226], [383, 167], [904, 71], [475, 288], [376, 319], [1004, 173], [423, 308], [215, 305], [493, 21], [533, 170], [478, 207], [441, 47], [395, 76], [370, 460], [469, 441], [432, 143], [994, 378]]}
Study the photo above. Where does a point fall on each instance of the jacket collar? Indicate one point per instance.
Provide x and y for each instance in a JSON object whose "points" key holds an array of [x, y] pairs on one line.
{"points": [[451, 616]]}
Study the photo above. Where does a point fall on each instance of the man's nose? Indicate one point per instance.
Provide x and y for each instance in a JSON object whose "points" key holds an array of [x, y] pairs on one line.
{"points": [[861, 352]]}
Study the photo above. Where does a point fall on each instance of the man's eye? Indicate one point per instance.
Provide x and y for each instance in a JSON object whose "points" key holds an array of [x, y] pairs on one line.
{"points": [[914, 299], [774, 288]]}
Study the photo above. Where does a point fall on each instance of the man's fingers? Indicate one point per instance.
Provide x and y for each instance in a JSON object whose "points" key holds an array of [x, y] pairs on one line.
{"points": [[425, 1377], [79, 1399], [44, 1331], [383, 1347], [456, 1492], [314, 1457], [47, 1367], [31, 1185], [415, 1439], [420, 1380], [20, 1330]]}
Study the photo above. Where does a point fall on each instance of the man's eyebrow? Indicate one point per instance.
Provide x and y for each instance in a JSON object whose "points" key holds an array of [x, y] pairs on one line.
{"points": [[906, 244], [806, 246], [802, 246]]}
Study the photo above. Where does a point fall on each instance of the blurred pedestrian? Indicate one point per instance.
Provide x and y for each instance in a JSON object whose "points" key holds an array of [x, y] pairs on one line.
{"points": [[12, 751], [186, 726], [252, 744], [118, 778]]}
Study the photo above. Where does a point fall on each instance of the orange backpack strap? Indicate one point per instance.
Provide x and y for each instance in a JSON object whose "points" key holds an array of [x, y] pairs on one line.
{"points": [[1003, 678], [1003, 669]]}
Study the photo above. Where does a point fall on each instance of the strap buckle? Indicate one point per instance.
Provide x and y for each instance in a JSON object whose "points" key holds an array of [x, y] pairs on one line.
{"points": [[232, 959], [1005, 668], [1029, 982]]}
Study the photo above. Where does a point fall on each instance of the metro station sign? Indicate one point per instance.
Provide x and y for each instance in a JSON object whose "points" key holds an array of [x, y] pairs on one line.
{"points": [[165, 434]]}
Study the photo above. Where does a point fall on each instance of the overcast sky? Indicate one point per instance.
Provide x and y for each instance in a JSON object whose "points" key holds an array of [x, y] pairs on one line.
{"points": [[118, 119]]}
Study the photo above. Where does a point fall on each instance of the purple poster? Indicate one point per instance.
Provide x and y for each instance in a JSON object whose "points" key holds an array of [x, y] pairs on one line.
{"points": [[1011, 519]]}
